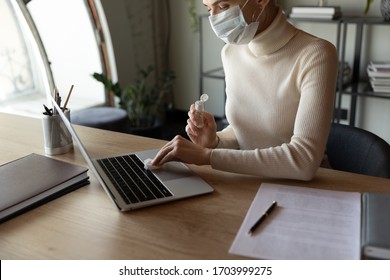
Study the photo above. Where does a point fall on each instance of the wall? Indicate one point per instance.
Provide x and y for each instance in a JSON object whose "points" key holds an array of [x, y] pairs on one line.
{"points": [[186, 61], [132, 33], [119, 26], [184, 52]]}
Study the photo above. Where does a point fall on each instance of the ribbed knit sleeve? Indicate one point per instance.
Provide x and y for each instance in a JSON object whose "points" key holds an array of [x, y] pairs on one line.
{"points": [[279, 104]]}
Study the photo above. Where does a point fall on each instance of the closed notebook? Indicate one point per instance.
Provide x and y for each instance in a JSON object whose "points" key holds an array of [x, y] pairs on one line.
{"points": [[376, 225], [33, 180]]}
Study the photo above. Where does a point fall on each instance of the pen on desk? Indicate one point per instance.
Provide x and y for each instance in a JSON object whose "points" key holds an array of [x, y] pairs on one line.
{"points": [[262, 218]]}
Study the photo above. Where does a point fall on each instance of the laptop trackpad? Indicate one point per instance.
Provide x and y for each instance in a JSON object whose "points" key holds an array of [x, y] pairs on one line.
{"points": [[172, 171]]}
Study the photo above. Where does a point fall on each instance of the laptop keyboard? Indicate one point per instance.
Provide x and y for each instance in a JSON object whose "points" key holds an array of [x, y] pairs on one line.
{"points": [[131, 180]]}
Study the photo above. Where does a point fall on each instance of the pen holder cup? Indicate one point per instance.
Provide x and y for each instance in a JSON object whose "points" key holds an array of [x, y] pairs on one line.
{"points": [[56, 136]]}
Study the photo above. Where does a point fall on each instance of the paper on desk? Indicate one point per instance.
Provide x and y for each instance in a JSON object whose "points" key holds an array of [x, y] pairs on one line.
{"points": [[307, 224]]}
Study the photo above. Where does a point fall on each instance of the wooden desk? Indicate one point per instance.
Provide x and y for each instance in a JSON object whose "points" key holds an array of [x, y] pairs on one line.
{"points": [[86, 225]]}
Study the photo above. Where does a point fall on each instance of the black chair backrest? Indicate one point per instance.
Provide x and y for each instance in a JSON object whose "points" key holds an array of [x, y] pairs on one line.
{"points": [[356, 150]]}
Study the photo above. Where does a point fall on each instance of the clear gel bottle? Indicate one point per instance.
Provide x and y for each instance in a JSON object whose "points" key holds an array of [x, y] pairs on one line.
{"points": [[199, 107]]}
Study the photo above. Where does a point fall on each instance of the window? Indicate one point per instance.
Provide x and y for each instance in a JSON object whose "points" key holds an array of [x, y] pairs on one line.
{"points": [[22, 72], [66, 31]]}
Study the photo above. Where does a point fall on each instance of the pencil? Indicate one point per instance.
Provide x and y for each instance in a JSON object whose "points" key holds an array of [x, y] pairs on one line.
{"points": [[55, 99], [67, 98]]}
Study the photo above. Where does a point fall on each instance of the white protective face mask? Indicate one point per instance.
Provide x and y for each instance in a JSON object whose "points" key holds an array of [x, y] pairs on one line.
{"points": [[231, 27]]}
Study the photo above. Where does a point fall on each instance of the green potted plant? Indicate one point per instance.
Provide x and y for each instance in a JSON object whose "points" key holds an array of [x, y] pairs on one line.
{"points": [[193, 15], [384, 8], [368, 5], [144, 100]]}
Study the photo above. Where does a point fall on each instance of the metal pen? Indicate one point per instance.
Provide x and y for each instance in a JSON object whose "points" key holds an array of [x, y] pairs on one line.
{"points": [[262, 218]]}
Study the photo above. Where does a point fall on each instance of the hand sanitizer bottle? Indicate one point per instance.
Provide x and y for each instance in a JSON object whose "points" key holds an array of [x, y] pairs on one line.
{"points": [[199, 107]]}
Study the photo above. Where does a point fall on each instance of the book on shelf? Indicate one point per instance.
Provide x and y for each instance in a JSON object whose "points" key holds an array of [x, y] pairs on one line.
{"points": [[323, 10], [314, 16], [378, 81], [33, 180], [380, 88], [378, 69], [380, 65], [376, 225], [315, 12], [379, 75]]}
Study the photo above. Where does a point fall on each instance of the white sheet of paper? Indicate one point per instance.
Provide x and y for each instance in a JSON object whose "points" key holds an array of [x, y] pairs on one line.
{"points": [[307, 224]]}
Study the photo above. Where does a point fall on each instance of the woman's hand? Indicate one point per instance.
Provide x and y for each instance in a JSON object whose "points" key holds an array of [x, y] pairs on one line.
{"points": [[180, 149], [196, 152], [205, 136]]}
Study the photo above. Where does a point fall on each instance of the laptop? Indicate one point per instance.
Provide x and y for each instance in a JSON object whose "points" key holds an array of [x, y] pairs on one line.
{"points": [[127, 189]]}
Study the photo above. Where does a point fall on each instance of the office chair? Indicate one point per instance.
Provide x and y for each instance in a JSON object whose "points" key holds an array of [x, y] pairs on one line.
{"points": [[356, 150]]}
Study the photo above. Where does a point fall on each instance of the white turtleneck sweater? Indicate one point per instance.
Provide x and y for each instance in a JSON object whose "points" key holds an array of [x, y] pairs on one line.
{"points": [[280, 91]]}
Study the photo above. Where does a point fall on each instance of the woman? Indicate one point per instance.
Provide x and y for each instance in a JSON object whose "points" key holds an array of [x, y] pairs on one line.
{"points": [[280, 84]]}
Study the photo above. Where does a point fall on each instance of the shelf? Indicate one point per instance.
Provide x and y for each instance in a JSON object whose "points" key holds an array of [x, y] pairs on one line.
{"points": [[357, 88], [364, 90], [345, 19], [319, 20], [365, 20], [216, 73]]}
